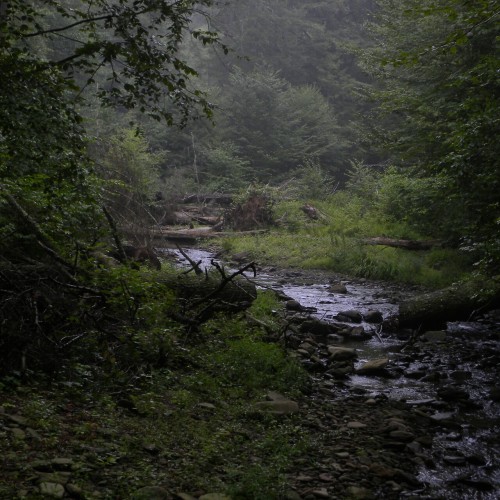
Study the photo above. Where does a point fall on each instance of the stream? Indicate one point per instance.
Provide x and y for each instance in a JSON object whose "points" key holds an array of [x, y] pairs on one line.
{"points": [[452, 375]]}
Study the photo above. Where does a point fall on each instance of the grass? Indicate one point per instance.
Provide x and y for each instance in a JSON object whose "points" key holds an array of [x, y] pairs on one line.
{"points": [[334, 243]]}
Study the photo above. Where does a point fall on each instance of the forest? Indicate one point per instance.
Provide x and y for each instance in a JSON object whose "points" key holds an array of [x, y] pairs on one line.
{"points": [[355, 142]]}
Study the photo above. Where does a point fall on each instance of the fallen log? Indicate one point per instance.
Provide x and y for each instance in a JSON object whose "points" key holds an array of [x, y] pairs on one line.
{"points": [[407, 244], [458, 302]]}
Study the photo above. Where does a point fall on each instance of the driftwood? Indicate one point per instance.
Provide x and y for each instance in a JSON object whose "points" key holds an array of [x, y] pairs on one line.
{"points": [[407, 244], [456, 303]]}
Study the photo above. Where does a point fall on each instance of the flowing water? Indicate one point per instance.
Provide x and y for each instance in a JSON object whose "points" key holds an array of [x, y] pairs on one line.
{"points": [[466, 446]]}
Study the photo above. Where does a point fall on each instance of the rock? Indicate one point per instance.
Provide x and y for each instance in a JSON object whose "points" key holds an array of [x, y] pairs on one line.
{"points": [[207, 406], [338, 288], [402, 435], [17, 433], [454, 459], [461, 375], [319, 328], [373, 367], [434, 336], [17, 419], [342, 353], [495, 394], [350, 315], [214, 496], [275, 396], [75, 491], [359, 493], [320, 493], [62, 463], [54, 490], [358, 333], [278, 407], [451, 393], [293, 305], [53, 477], [356, 425], [151, 493], [373, 316]]}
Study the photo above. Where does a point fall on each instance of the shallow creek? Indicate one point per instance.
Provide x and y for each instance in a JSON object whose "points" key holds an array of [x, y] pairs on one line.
{"points": [[453, 376]]}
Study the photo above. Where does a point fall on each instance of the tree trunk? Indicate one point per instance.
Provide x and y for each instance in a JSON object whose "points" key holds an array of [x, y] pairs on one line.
{"points": [[408, 244], [455, 303]]}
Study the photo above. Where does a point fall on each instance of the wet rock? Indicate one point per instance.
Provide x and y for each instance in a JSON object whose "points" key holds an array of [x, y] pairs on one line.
{"points": [[434, 336], [452, 393], [350, 315], [358, 333], [342, 353], [454, 459], [461, 375], [338, 288], [374, 367], [494, 394], [294, 305], [319, 328], [373, 316]]}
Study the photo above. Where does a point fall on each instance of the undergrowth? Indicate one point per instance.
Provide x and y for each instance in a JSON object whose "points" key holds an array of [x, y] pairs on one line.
{"points": [[189, 426]]}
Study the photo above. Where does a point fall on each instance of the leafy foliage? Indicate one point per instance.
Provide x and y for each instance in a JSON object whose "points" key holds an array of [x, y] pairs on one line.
{"points": [[135, 42], [440, 71]]}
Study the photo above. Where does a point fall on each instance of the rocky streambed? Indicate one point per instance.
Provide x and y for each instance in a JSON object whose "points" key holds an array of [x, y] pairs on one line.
{"points": [[397, 413]]}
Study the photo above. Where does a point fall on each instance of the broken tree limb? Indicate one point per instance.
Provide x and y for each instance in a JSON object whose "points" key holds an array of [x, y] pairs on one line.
{"points": [[455, 303], [407, 244]]}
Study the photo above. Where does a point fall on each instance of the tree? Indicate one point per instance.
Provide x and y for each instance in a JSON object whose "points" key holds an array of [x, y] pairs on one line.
{"points": [[50, 195], [135, 42], [439, 68]]}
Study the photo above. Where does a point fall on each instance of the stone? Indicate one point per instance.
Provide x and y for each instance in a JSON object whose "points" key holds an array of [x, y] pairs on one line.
{"points": [[321, 493], [293, 305], [54, 490], [207, 406], [17, 433], [151, 493], [373, 316], [61, 463], [402, 435], [454, 459], [350, 315], [373, 367], [338, 288], [17, 419], [275, 396], [318, 327], [214, 496], [359, 493], [75, 491], [451, 393], [341, 353], [434, 336], [185, 496], [356, 425], [279, 407]]}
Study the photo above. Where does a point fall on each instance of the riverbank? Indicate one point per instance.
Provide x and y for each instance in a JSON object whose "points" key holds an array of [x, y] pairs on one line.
{"points": [[251, 406]]}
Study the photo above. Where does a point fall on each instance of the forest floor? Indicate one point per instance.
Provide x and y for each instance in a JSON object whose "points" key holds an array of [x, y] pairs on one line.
{"points": [[228, 418]]}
